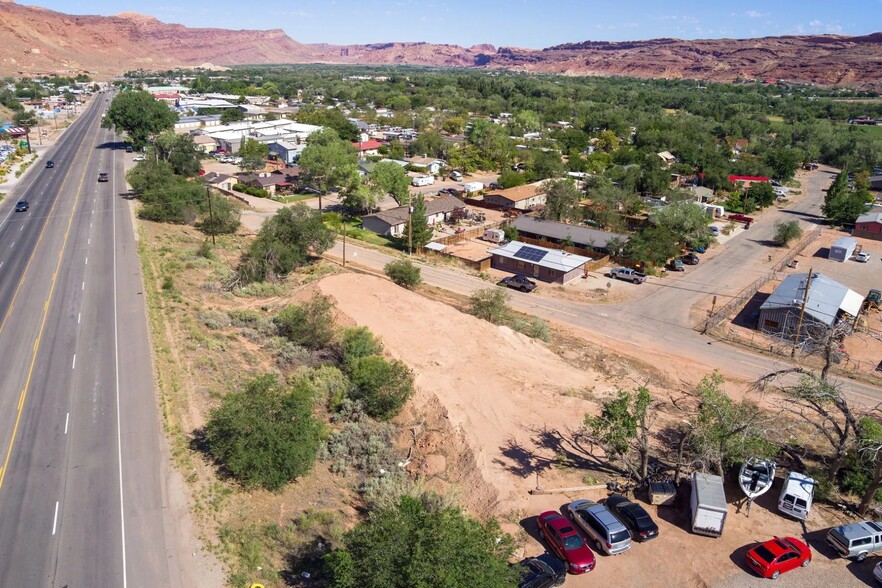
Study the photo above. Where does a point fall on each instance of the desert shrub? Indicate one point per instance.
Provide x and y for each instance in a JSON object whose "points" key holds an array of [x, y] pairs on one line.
{"points": [[310, 324], [536, 328], [206, 250], [785, 232], [265, 435], [358, 342], [404, 273], [214, 319], [288, 353], [222, 218], [490, 304], [330, 385], [244, 317], [364, 445], [383, 386]]}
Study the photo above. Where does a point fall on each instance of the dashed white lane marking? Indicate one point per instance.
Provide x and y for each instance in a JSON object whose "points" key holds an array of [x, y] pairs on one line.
{"points": [[73, 366], [79, 316], [66, 422], [55, 520], [84, 286]]}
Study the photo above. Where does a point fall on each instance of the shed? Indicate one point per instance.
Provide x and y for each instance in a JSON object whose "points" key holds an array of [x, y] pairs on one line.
{"points": [[520, 197], [868, 226], [842, 249], [548, 265], [827, 303]]}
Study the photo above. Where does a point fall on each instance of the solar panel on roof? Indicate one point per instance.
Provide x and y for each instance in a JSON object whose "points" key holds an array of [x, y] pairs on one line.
{"points": [[530, 254]]}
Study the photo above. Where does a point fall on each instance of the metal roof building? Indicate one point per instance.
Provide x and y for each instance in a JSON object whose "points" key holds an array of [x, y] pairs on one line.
{"points": [[827, 303], [548, 265], [585, 237]]}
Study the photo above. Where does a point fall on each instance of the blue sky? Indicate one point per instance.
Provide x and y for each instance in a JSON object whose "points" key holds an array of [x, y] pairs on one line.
{"points": [[518, 23]]}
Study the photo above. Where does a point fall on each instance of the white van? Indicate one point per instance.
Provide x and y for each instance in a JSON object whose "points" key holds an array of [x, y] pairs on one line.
{"points": [[456, 176], [796, 495], [423, 181], [494, 235]]}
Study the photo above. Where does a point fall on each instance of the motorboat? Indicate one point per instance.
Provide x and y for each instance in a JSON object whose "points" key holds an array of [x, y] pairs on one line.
{"points": [[756, 476]]}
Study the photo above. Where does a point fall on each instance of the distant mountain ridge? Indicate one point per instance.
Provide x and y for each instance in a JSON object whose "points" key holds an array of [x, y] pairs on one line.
{"points": [[40, 41]]}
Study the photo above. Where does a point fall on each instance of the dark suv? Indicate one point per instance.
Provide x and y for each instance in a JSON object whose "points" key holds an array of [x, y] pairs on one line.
{"points": [[520, 282], [50, 163], [102, 176], [22, 206]]}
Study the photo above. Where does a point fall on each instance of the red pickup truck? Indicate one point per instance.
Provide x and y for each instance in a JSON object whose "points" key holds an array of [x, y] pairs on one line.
{"points": [[741, 218]]}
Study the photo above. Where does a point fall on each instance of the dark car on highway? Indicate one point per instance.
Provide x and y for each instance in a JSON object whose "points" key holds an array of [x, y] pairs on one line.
{"points": [[635, 517], [22, 206], [519, 282], [102, 176], [543, 571], [50, 163]]}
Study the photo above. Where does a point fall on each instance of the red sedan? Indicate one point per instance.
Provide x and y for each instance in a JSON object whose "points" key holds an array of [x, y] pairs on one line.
{"points": [[566, 542], [778, 555]]}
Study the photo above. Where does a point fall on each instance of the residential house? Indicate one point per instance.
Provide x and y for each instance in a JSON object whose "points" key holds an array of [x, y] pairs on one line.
{"points": [[827, 304], [273, 183], [549, 265], [868, 226], [427, 164], [526, 197], [367, 148], [204, 143], [393, 222], [561, 233], [876, 183], [668, 158], [286, 151], [220, 181]]}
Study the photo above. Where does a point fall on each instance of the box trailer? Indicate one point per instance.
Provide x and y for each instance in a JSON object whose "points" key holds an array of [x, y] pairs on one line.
{"points": [[708, 504], [470, 187], [842, 249], [423, 181]]}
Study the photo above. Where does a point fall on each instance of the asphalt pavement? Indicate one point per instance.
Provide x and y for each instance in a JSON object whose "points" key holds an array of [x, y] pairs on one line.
{"points": [[657, 328], [81, 496]]}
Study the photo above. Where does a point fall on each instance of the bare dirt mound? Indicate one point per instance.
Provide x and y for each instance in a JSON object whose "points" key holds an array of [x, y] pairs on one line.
{"points": [[491, 406]]}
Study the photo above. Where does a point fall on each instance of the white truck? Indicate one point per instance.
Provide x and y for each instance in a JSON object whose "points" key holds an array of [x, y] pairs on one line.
{"points": [[471, 187], [628, 275], [423, 180], [708, 504]]}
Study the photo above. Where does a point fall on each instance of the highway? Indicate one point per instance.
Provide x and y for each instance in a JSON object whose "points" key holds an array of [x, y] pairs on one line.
{"points": [[81, 482]]}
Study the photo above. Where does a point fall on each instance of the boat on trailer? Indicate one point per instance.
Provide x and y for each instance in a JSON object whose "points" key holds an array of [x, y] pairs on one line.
{"points": [[756, 476]]}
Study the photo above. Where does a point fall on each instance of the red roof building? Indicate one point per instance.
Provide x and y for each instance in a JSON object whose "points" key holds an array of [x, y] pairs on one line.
{"points": [[365, 146], [748, 179]]}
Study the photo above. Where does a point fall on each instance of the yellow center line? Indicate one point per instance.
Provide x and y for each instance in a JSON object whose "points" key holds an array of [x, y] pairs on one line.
{"points": [[27, 385]]}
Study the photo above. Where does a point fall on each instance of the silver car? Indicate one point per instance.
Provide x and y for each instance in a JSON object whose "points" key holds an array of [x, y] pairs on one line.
{"points": [[609, 533]]}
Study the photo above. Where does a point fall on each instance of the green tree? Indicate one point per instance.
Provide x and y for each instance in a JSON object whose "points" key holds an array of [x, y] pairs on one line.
{"points": [[870, 460], [420, 231], [785, 232], [528, 121], [687, 221], [26, 119], [404, 273], [490, 304], [654, 177], [382, 386], [283, 243], [363, 196], [420, 543], [358, 342], [562, 198], [265, 435], [608, 141], [453, 125], [725, 432], [493, 145], [180, 152], [391, 178], [783, 161], [652, 244], [253, 154], [140, 115], [623, 429], [511, 179], [231, 115], [762, 193], [221, 219], [328, 161], [310, 324]]}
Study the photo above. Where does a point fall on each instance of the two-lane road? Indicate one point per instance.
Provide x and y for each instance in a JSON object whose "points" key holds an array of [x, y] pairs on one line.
{"points": [[81, 479]]}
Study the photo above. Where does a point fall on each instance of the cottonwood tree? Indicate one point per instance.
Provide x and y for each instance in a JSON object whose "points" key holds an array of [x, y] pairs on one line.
{"points": [[870, 455], [723, 431], [390, 178], [328, 161], [623, 429], [140, 115], [253, 154], [562, 198]]}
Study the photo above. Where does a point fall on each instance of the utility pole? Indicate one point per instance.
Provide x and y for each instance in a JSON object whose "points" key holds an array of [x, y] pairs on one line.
{"points": [[410, 229], [344, 239], [210, 214], [710, 313], [808, 283]]}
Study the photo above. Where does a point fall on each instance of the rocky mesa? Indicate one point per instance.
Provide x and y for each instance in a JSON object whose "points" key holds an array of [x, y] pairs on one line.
{"points": [[40, 41]]}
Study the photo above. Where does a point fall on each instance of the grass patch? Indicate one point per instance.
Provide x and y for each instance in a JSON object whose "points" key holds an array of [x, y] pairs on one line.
{"points": [[293, 198]]}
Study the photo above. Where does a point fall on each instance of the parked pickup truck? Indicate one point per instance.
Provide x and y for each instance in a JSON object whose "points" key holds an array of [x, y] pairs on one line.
{"points": [[629, 275], [741, 218], [519, 282]]}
